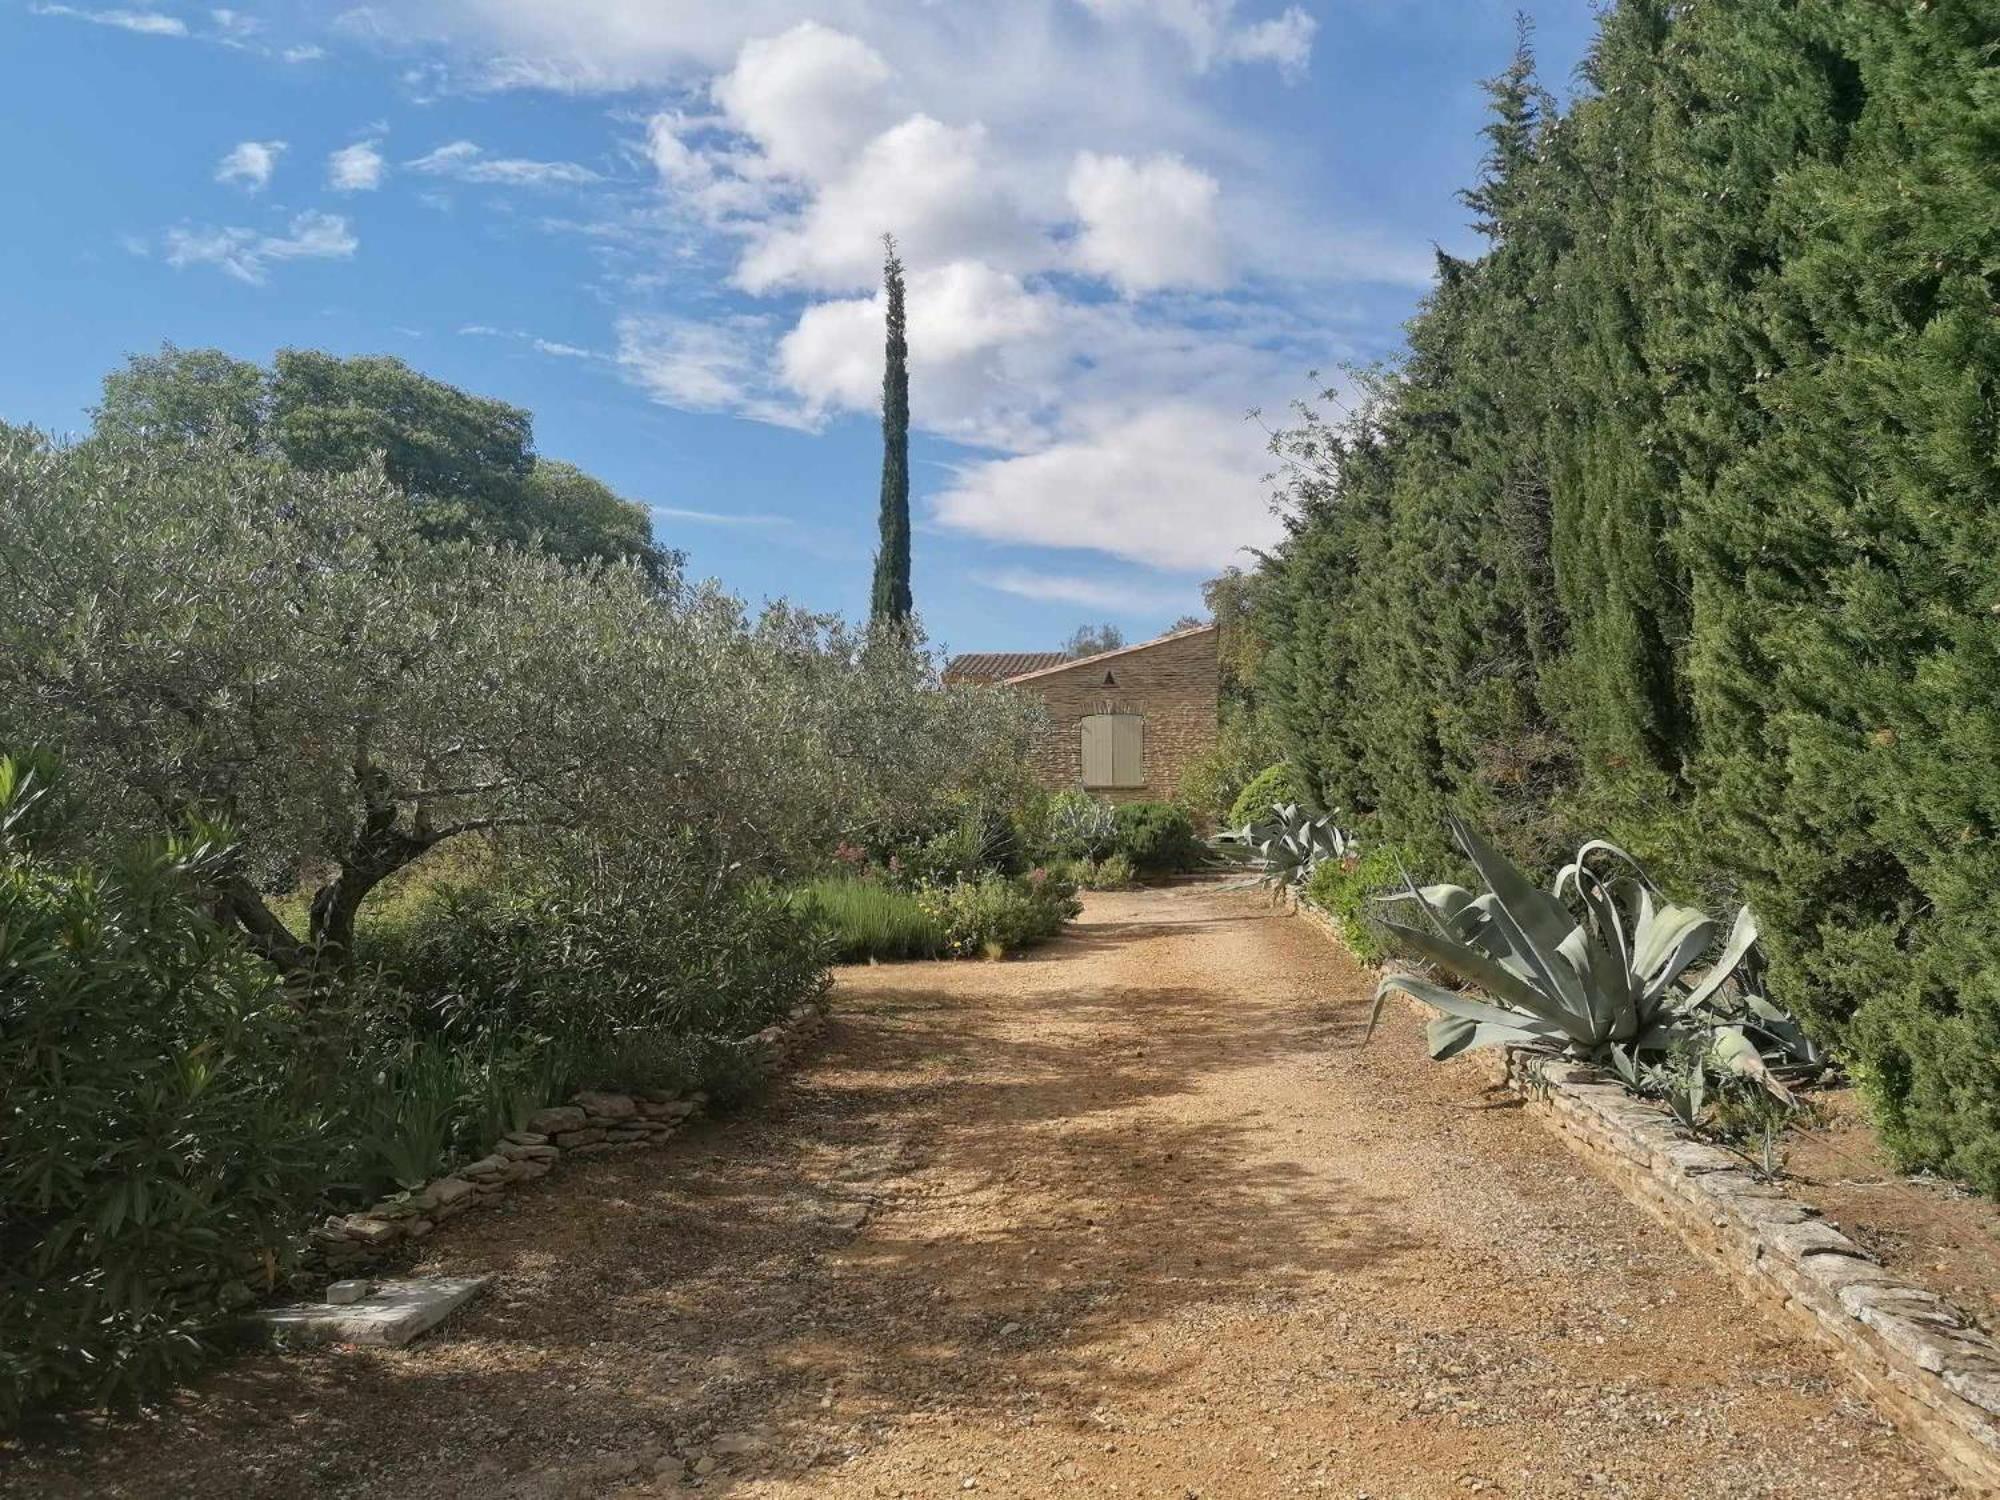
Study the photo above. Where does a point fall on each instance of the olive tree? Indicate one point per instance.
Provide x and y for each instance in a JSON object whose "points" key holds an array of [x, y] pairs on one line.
{"points": [[207, 633]]}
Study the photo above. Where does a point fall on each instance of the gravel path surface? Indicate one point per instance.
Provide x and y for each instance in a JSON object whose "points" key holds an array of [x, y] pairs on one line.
{"points": [[1130, 1216]]}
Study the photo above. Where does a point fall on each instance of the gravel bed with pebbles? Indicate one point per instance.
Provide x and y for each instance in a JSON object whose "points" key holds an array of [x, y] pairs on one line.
{"points": [[1134, 1215]]}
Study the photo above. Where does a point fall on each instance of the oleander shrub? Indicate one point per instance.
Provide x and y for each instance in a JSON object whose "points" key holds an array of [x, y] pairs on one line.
{"points": [[1281, 785], [159, 1136], [1158, 838], [172, 1119], [598, 946]]}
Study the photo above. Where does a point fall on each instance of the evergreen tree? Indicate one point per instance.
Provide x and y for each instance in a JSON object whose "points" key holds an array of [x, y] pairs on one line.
{"points": [[1679, 522], [891, 602]]}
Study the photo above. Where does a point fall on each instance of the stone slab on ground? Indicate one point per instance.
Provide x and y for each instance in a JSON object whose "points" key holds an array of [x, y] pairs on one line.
{"points": [[392, 1314]]}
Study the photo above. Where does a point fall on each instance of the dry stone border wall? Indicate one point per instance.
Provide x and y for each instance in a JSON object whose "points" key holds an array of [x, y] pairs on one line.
{"points": [[593, 1123], [1926, 1366]]}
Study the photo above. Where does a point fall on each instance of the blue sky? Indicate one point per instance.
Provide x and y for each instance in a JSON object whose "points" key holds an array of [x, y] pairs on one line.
{"points": [[653, 223]]}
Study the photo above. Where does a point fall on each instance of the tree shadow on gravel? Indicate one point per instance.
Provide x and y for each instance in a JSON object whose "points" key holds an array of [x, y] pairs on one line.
{"points": [[1038, 1193]]}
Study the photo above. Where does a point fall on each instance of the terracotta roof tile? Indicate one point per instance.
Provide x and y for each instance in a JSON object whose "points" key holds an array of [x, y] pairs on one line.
{"points": [[1062, 661], [998, 666]]}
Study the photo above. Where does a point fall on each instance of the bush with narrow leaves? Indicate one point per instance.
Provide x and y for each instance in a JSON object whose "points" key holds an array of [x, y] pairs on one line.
{"points": [[159, 1138]]}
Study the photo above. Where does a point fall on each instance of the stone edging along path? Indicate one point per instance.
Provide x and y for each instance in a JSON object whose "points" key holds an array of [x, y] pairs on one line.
{"points": [[592, 1124], [1924, 1364]]}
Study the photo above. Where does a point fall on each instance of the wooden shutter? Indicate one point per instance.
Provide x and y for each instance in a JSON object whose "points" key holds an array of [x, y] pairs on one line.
{"points": [[1114, 750], [1128, 750]]}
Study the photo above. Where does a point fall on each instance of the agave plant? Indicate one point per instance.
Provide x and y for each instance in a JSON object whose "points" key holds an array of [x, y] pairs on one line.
{"points": [[1731, 999], [1606, 979], [1289, 846]]}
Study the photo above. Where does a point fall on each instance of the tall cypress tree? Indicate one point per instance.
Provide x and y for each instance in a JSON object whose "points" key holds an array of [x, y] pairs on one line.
{"points": [[892, 562]]}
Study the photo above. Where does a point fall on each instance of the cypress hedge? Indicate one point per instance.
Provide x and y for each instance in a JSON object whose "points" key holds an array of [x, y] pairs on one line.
{"points": [[1680, 520]]}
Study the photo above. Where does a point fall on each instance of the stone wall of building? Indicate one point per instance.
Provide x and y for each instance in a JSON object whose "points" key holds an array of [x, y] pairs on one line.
{"points": [[1173, 684]]}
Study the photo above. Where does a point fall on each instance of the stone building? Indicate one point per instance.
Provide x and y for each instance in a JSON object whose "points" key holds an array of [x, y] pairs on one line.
{"points": [[1123, 724]]}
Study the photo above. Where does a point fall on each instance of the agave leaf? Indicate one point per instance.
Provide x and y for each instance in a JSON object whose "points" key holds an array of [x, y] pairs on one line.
{"points": [[1622, 1064], [1673, 939], [1519, 1028], [1742, 933], [1476, 968], [1598, 950], [1465, 1008], [1475, 925], [1734, 1052], [1785, 1033], [1446, 901], [1581, 863], [1534, 921], [1448, 1036]]}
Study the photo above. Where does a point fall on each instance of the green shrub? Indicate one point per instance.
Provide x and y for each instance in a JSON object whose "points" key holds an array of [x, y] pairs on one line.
{"points": [[995, 916], [1346, 889], [1274, 786], [1080, 826], [982, 839], [599, 949], [1213, 780], [158, 1144], [871, 919], [172, 1122], [1114, 872], [404, 1107], [1158, 838]]}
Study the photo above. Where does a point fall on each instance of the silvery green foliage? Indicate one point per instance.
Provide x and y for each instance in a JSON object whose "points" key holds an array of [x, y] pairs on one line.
{"points": [[1081, 826], [1288, 846], [1600, 967], [195, 629]]}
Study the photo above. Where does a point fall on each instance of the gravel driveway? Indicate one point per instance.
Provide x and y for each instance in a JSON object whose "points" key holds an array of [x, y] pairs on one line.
{"points": [[1129, 1216]]}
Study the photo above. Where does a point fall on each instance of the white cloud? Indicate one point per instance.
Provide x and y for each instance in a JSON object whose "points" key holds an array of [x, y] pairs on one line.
{"points": [[671, 157], [1285, 40], [303, 54], [1175, 487], [468, 162], [248, 255], [551, 347], [809, 98], [145, 22], [697, 365], [250, 164], [983, 364], [357, 168], [1147, 225], [1111, 594], [721, 518], [938, 188], [1014, 150], [1211, 33], [233, 26]]}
